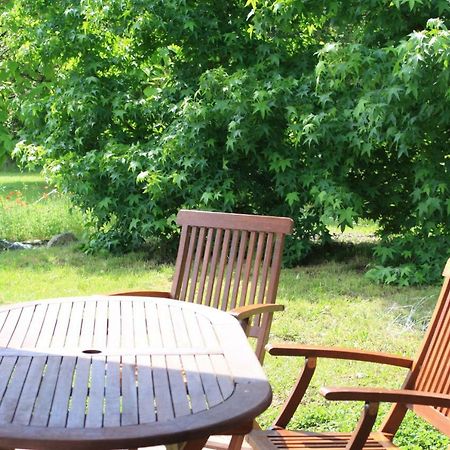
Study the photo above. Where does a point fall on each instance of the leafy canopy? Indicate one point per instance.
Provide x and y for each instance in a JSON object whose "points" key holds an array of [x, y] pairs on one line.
{"points": [[325, 111]]}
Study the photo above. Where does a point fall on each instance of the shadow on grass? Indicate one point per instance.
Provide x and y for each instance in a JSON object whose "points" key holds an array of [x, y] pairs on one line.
{"points": [[47, 259], [357, 255]]}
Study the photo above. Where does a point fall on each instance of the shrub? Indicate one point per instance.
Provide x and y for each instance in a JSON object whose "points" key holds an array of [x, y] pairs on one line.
{"points": [[325, 111]]}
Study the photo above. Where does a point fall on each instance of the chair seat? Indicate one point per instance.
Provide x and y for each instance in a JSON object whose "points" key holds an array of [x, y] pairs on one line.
{"points": [[285, 439]]}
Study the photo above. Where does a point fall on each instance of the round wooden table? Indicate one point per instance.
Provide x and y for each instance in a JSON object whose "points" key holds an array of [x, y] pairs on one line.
{"points": [[124, 372]]}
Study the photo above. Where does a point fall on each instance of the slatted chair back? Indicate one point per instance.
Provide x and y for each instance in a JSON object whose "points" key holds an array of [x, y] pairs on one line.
{"points": [[230, 260], [431, 369]]}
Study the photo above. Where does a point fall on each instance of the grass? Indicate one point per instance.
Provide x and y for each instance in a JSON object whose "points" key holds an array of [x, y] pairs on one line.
{"points": [[328, 302], [30, 209], [360, 227], [62, 272]]}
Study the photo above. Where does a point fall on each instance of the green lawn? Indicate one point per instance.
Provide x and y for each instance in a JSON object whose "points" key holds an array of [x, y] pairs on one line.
{"points": [[30, 209], [31, 185], [328, 302]]}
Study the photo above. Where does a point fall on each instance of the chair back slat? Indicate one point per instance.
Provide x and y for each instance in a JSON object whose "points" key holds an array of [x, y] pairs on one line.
{"points": [[214, 261], [229, 271], [205, 265], [197, 262], [431, 369], [247, 269], [238, 270], [183, 268], [221, 271], [257, 267], [267, 262], [229, 260]]}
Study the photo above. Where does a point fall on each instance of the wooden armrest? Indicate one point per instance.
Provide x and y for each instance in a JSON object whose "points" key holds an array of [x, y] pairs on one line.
{"points": [[387, 395], [338, 353], [244, 312], [161, 294]]}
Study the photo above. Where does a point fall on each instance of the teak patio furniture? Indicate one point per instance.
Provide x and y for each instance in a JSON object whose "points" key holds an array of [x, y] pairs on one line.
{"points": [[106, 373], [425, 391], [230, 262]]}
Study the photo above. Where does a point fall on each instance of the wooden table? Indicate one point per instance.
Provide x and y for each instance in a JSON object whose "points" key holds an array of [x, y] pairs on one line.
{"points": [[123, 372]]}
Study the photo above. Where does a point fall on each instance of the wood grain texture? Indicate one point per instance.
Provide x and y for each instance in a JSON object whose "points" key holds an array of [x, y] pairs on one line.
{"points": [[108, 372], [229, 261], [426, 390], [338, 353]]}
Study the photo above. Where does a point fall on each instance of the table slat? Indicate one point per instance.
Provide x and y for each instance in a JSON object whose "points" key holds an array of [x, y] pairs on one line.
{"points": [[30, 390], [197, 396], [101, 326], [6, 368], [223, 375], [112, 384], [33, 327], [209, 381], [63, 390], [177, 387], [146, 397], [153, 328], [48, 328], [62, 323], [94, 415], [112, 392], [44, 400], [10, 399], [22, 327], [87, 326], [79, 393], [164, 408], [128, 387], [95, 407], [9, 326]]}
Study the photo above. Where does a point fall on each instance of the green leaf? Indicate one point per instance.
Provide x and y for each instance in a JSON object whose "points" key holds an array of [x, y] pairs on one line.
{"points": [[150, 91], [207, 197], [292, 198], [262, 108]]}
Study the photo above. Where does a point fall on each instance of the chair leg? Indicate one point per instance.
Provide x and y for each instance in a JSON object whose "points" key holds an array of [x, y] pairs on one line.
{"points": [[236, 442], [289, 408], [364, 427]]}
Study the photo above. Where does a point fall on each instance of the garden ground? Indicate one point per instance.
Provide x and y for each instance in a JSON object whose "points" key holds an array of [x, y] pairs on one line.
{"points": [[327, 302]]}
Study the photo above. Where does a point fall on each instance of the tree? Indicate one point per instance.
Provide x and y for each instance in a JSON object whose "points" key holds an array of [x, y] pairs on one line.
{"points": [[325, 111], [6, 142]]}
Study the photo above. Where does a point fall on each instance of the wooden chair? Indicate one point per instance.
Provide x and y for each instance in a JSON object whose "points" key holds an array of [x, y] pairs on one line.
{"points": [[425, 391], [231, 262]]}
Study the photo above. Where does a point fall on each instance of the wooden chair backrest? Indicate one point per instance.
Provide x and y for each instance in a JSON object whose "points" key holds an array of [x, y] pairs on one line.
{"points": [[228, 260], [431, 369]]}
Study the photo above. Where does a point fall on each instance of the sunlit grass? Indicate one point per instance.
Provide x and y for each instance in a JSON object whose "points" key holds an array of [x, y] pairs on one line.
{"points": [[30, 209], [362, 227], [329, 303]]}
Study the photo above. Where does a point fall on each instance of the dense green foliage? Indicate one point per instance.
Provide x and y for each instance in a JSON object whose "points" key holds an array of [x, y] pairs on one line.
{"points": [[325, 111]]}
